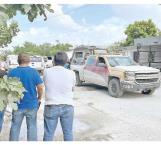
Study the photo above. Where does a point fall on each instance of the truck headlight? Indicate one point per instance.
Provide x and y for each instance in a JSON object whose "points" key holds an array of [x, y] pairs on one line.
{"points": [[129, 76]]}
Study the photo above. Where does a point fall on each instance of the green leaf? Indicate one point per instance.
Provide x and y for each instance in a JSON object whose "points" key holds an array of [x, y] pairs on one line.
{"points": [[2, 106], [11, 91]]}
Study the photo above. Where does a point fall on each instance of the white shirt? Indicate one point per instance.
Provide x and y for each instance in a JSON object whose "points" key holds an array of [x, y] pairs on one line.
{"points": [[59, 83]]}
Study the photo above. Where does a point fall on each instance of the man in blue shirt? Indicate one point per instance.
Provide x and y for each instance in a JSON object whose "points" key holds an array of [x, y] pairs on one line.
{"points": [[28, 106]]}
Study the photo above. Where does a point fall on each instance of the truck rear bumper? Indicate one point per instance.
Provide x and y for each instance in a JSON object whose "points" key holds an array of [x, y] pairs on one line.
{"points": [[132, 86]]}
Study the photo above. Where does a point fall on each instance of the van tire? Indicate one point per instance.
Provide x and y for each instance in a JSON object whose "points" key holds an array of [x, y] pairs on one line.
{"points": [[114, 88], [78, 81]]}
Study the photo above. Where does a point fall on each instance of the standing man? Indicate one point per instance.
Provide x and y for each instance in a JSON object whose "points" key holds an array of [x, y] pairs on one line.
{"points": [[2, 73], [28, 106], [1, 119], [59, 86]]}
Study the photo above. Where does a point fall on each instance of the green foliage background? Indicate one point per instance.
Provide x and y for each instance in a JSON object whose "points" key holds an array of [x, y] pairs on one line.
{"points": [[138, 29], [46, 49]]}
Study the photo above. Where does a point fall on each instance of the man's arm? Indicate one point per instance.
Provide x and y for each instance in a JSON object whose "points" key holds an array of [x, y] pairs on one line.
{"points": [[40, 91]]}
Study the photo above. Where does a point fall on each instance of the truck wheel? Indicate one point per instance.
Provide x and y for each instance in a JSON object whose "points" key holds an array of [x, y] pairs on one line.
{"points": [[78, 81], [148, 92], [114, 88]]}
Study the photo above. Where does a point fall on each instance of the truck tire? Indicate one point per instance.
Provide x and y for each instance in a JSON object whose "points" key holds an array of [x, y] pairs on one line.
{"points": [[78, 81], [114, 88], [148, 92]]}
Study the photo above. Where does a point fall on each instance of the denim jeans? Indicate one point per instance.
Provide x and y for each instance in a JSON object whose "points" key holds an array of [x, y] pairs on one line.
{"points": [[51, 115], [1, 119], [31, 121]]}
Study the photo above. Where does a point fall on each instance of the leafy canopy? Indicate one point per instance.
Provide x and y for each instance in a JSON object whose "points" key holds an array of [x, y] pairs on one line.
{"points": [[140, 29], [8, 11], [46, 49]]}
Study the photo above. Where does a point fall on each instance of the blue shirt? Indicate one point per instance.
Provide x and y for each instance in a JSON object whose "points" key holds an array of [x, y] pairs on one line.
{"points": [[30, 78]]}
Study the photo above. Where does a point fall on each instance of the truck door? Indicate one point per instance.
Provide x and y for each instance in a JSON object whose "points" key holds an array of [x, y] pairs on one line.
{"points": [[101, 71], [89, 69]]}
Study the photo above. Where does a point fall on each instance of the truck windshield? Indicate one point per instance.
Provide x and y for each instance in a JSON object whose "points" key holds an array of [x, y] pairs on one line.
{"points": [[120, 61], [36, 59]]}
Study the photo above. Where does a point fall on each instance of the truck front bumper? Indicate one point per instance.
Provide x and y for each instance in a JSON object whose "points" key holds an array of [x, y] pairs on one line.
{"points": [[133, 86]]}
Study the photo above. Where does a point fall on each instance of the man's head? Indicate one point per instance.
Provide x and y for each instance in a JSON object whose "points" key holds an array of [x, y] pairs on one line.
{"points": [[23, 59], [60, 58]]}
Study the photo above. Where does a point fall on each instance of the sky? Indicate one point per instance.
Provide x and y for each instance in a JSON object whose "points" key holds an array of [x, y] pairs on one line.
{"points": [[88, 24]]}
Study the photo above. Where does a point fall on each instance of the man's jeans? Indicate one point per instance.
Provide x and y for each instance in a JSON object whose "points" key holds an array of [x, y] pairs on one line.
{"points": [[31, 121], [51, 115], [1, 119]]}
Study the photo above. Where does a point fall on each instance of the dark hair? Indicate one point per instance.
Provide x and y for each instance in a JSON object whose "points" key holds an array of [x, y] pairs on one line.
{"points": [[23, 58], [60, 58]]}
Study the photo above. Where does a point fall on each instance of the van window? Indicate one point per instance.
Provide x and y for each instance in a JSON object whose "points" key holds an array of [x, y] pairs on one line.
{"points": [[91, 60]]}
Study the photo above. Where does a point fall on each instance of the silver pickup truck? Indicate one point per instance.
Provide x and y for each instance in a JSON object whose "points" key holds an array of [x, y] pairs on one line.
{"points": [[117, 73]]}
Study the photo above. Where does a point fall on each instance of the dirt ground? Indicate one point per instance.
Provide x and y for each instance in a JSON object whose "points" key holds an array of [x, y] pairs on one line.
{"points": [[99, 117]]}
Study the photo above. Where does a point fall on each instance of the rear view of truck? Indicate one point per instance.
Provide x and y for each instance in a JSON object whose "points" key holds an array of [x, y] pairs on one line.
{"points": [[37, 62]]}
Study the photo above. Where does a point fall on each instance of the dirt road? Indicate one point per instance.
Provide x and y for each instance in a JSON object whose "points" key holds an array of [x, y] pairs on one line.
{"points": [[133, 117]]}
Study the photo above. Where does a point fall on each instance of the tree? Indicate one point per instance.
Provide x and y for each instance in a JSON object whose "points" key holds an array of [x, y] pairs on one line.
{"points": [[28, 47], [45, 49], [8, 31], [140, 29]]}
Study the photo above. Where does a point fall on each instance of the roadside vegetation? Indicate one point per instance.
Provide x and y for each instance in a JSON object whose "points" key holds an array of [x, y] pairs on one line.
{"points": [[46, 49], [138, 29]]}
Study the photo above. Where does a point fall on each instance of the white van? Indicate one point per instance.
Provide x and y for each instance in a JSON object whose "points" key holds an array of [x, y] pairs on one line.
{"points": [[37, 62], [11, 62]]}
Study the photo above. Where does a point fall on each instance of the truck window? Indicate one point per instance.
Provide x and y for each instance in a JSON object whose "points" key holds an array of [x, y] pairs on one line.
{"points": [[120, 61], [101, 60], [49, 58], [35, 59], [91, 60], [79, 54]]}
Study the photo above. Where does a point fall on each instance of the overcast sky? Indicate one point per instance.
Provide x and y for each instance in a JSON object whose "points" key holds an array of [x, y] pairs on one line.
{"points": [[84, 24]]}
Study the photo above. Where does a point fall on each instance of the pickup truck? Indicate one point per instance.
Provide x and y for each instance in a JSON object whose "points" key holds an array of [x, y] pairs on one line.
{"points": [[118, 73], [37, 62]]}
